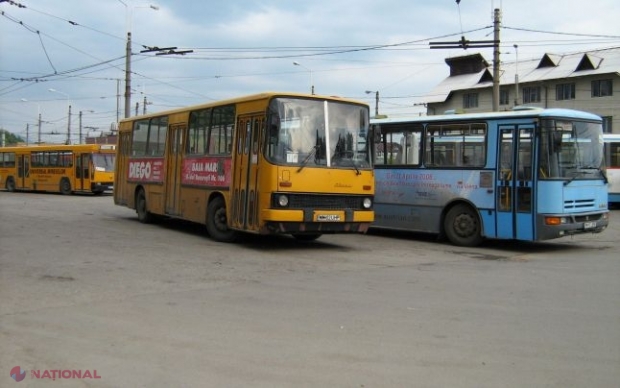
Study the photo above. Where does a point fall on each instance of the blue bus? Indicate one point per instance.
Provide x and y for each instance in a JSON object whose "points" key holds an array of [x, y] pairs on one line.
{"points": [[529, 174], [612, 163]]}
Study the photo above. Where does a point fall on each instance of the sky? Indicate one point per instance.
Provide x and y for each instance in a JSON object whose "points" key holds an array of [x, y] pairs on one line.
{"points": [[60, 53]]}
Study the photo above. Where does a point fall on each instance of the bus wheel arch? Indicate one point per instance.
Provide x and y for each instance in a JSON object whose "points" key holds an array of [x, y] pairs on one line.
{"points": [[144, 215], [65, 186], [10, 184], [217, 220], [462, 224]]}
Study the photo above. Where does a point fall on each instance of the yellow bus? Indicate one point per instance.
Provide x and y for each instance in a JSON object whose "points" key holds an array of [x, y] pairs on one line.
{"points": [[270, 163], [66, 169]]}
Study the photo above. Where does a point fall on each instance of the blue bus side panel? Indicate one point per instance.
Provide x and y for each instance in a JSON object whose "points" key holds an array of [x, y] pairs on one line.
{"points": [[413, 199]]}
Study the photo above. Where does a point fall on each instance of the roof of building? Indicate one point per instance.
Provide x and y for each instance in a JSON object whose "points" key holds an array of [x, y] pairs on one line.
{"points": [[548, 67]]}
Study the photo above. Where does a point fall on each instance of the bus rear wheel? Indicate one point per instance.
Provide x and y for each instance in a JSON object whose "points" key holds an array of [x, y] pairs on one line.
{"points": [[217, 225], [65, 186], [10, 184], [462, 226], [144, 215]]}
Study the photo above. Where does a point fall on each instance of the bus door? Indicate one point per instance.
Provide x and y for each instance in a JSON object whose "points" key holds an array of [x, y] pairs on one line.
{"points": [[514, 183], [244, 207], [121, 173], [83, 166], [173, 169], [23, 172]]}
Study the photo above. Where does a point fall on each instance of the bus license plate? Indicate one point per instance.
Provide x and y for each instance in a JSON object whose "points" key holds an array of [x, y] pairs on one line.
{"points": [[589, 225], [328, 217]]}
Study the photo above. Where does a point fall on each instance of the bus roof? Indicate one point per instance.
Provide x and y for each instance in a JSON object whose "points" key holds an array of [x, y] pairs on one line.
{"points": [[246, 98], [521, 112], [60, 147]]}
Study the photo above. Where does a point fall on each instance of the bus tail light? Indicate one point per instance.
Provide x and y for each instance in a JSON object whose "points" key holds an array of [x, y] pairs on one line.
{"points": [[555, 220]]}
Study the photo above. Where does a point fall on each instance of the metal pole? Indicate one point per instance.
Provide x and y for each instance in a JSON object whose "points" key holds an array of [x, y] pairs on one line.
{"points": [[80, 133], [27, 134], [517, 75], [128, 76], [377, 103], [118, 99], [39, 131], [69, 127]]}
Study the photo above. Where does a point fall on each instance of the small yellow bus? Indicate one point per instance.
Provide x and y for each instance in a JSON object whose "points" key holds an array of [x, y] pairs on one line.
{"points": [[271, 163], [66, 169]]}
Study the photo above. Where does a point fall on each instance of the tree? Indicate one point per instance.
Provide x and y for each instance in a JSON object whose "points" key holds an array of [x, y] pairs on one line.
{"points": [[10, 138]]}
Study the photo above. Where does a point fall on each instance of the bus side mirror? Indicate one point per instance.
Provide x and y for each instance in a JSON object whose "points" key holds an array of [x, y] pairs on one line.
{"points": [[375, 132]]}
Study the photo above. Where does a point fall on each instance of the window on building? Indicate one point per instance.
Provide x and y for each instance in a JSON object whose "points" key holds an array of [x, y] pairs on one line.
{"points": [[531, 94], [607, 127], [470, 100], [504, 97], [565, 92], [602, 88]]}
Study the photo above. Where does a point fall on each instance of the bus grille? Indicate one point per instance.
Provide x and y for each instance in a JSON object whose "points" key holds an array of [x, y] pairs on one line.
{"points": [[579, 204], [326, 202]]}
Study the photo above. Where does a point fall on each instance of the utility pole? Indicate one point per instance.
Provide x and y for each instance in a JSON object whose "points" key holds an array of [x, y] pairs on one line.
{"points": [[516, 46], [128, 76], [27, 134], [39, 130], [465, 44], [496, 22], [69, 127]]}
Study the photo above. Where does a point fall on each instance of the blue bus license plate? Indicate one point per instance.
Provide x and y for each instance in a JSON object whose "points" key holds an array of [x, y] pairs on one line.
{"points": [[589, 225]]}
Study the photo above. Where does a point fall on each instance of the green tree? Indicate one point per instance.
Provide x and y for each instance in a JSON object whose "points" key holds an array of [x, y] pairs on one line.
{"points": [[10, 138]]}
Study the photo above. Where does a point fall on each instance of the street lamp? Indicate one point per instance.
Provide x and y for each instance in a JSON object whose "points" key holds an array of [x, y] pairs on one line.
{"points": [[128, 10], [68, 115], [38, 123], [310, 70], [516, 46], [376, 100]]}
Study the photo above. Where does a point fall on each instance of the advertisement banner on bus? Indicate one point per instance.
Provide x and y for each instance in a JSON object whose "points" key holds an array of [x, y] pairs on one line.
{"points": [[146, 170], [203, 171]]}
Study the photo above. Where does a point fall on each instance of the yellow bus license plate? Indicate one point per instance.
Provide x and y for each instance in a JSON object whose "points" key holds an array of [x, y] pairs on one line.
{"points": [[327, 218]]}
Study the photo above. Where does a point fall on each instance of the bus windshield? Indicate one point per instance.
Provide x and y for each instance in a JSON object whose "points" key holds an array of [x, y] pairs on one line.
{"points": [[104, 162], [304, 132], [571, 150]]}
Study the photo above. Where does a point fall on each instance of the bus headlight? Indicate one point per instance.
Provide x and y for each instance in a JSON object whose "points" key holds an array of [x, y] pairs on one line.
{"points": [[282, 200], [367, 203]]}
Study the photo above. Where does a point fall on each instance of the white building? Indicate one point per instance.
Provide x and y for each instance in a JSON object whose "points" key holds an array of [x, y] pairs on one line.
{"points": [[583, 81]]}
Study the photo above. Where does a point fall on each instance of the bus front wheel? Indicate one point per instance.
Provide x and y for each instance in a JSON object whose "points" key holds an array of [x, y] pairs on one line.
{"points": [[10, 184], [65, 186], [144, 215], [462, 226], [217, 225]]}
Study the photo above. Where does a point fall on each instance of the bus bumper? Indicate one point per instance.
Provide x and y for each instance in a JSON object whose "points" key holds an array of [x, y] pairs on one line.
{"points": [[102, 186], [550, 226], [316, 221]]}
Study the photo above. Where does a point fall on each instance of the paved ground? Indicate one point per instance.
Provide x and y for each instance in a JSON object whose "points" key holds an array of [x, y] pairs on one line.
{"points": [[84, 286]]}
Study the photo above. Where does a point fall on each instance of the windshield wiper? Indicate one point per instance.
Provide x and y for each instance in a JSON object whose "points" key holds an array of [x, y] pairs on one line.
{"points": [[307, 158], [357, 170], [575, 175]]}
